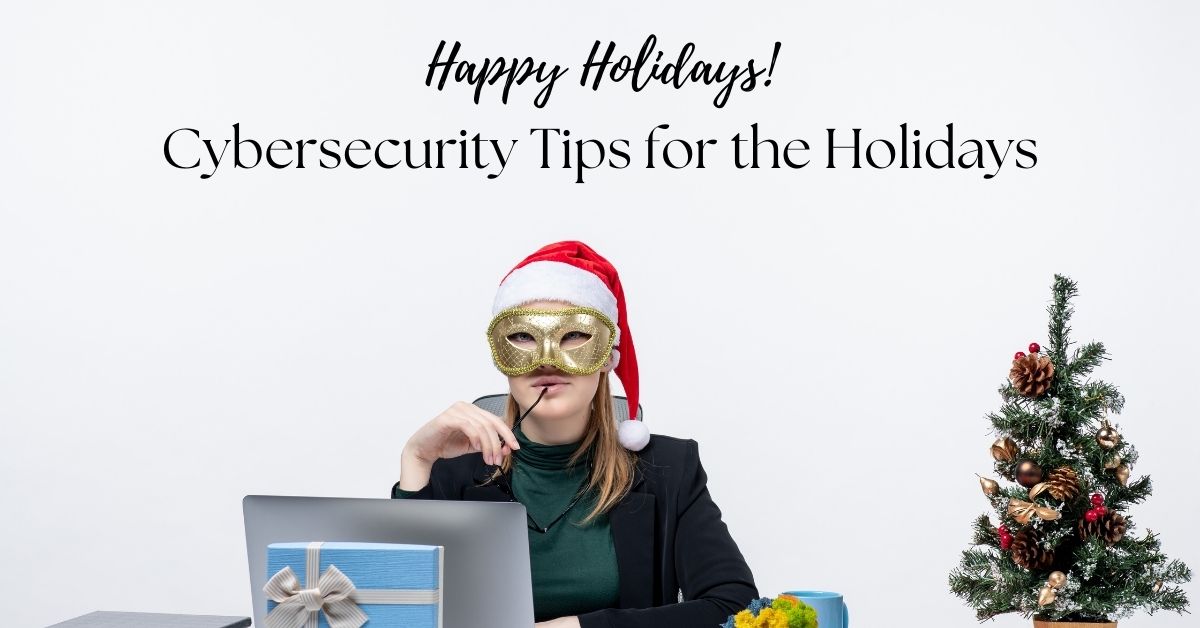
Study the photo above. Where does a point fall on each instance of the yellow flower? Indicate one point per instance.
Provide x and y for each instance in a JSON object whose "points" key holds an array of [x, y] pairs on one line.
{"points": [[771, 618], [767, 618]]}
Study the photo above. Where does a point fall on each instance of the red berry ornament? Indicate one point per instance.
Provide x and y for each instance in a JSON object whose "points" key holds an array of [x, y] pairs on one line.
{"points": [[1097, 499], [1091, 516], [1100, 511], [1018, 355], [1034, 347], [1006, 538]]}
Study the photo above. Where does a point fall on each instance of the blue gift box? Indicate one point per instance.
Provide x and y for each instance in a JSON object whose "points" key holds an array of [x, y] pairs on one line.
{"points": [[396, 585]]}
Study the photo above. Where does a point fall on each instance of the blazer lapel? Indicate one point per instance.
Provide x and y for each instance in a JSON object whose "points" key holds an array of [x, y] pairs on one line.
{"points": [[632, 521]]}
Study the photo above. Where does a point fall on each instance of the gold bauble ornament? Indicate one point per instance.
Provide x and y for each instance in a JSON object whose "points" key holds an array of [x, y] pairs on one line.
{"points": [[1157, 586], [990, 487], [1046, 597], [1108, 437], [1112, 463], [1004, 449], [1057, 579], [1122, 473]]}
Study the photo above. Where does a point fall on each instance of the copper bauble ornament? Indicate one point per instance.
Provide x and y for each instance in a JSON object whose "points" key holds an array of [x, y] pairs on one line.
{"points": [[1004, 449], [990, 487], [1029, 473], [1108, 437], [1046, 596], [1057, 579], [1122, 473]]}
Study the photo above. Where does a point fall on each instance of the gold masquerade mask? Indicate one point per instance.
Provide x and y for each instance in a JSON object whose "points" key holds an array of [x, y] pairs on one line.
{"points": [[576, 340]]}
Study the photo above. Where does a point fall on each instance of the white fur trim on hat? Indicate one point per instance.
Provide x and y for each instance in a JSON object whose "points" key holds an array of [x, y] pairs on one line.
{"points": [[555, 281]]}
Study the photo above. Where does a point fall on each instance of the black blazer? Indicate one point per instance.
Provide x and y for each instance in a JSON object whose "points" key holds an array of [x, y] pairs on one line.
{"points": [[677, 565]]}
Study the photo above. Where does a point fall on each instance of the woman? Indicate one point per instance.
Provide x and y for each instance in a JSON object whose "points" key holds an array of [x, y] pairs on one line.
{"points": [[617, 539]]}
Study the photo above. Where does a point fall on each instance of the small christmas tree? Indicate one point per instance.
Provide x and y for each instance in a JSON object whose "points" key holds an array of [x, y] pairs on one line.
{"points": [[1066, 546]]}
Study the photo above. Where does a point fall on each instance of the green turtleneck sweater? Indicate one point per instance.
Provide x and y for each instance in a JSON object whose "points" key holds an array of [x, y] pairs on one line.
{"points": [[574, 568]]}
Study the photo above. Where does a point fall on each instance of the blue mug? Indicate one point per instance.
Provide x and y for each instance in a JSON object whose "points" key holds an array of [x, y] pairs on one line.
{"points": [[831, 608]]}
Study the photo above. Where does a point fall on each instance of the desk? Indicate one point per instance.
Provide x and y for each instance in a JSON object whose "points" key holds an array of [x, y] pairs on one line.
{"points": [[108, 619]]}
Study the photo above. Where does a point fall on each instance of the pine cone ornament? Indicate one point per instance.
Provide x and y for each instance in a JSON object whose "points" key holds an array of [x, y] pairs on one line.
{"points": [[1031, 375], [1027, 550], [1063, 484], [1110, 527]]}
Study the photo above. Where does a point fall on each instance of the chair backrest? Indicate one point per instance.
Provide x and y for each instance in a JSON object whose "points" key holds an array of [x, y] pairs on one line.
{"points": [[495, 404]]}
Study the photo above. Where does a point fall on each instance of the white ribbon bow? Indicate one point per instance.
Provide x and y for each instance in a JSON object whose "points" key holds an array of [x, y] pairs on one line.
{"points": [[297, 605]]}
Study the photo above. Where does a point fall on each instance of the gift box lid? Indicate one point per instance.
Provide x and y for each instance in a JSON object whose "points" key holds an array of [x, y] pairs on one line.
{"points": [[369, 565]]}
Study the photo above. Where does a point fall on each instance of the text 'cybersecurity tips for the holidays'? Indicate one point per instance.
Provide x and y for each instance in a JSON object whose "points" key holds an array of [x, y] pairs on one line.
{"points": [[904, 147]]}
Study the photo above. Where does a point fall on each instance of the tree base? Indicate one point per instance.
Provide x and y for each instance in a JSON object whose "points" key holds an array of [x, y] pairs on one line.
{"points": [[1046, 623]]}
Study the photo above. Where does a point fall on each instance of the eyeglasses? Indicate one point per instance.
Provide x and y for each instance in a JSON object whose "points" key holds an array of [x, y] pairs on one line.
{"points": [[507, 489]]}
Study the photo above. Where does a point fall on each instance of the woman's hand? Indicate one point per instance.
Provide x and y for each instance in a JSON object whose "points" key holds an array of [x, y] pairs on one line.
{"points": [[462, 428], [560, 622]]}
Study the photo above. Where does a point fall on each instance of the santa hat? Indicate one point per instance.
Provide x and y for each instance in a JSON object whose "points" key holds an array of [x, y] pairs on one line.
{"points": [[571, 271]]}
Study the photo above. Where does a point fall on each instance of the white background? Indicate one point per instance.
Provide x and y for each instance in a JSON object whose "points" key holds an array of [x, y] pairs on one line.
{"points": [[832, 338]]}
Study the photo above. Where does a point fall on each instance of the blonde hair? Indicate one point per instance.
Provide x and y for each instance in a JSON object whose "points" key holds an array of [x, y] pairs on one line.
{"points": [[612, 464]]}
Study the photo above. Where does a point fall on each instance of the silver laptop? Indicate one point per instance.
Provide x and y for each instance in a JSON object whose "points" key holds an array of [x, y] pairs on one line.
{"points": [[486, 581]]}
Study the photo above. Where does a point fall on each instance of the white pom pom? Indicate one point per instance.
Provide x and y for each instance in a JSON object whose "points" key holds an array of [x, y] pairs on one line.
{"points": [[633, 434]]}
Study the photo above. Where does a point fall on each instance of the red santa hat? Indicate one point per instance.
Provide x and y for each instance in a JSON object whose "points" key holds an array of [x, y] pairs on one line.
{"points": [[571, 271]]}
